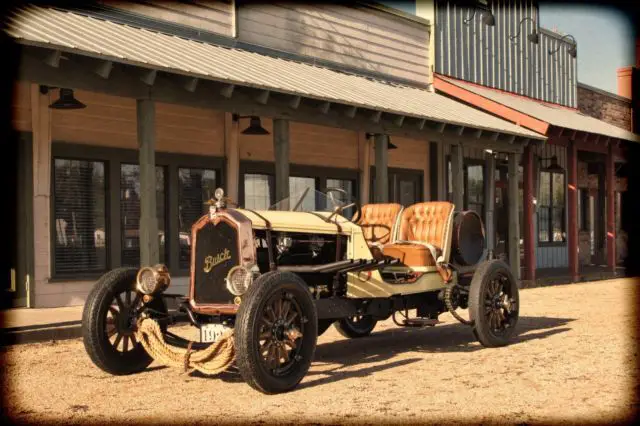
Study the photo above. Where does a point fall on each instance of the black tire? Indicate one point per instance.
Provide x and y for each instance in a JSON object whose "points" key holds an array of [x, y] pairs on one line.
{"points": [[356, 327], [323, 325], [494, 303], [256, 361], [104, 352]]}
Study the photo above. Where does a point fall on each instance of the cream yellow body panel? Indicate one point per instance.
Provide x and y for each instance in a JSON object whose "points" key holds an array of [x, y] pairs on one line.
{"points": [[300, 221]]}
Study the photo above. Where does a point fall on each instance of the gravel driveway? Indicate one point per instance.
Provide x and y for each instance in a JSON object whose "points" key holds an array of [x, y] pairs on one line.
{"points": [[574, 360]]}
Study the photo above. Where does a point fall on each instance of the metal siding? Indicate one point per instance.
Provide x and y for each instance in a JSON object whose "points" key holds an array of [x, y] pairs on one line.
{"points": [[520, 67]]}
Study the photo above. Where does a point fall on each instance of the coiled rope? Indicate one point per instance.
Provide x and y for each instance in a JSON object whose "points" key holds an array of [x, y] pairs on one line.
{"points": [[213, 360]]}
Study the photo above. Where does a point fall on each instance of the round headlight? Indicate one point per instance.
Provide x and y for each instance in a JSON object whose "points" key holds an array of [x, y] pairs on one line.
{"points": [[151, 280], [238, 280]]}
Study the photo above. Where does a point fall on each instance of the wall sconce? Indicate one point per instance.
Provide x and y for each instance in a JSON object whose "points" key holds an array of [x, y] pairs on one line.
{"points": [[554, 166], [255, 125], [389, 144], [572, 51], [534, 37], [66, 99], [487, 17]]}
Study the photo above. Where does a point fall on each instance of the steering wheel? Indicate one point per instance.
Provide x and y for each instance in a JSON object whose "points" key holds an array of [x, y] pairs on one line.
{"points": [[337, 209]]}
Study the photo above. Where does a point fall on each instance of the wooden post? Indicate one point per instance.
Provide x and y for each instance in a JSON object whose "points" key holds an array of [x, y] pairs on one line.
{"points": [[490, 201], [382, 170], [528, 233], [611, 212], [514, 222], [281, 153], [146, 114], [442, 172], [232, 157], [457, 177], [572, 198], [426, 177], [364, 166]]}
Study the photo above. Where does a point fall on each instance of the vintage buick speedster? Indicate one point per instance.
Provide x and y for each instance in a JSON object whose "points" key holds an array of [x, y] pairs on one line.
{"points": [[269, 282]]}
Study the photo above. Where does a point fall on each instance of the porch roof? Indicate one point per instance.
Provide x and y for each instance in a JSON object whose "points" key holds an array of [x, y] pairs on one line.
{"points": [[530, 113], [75, 32]]}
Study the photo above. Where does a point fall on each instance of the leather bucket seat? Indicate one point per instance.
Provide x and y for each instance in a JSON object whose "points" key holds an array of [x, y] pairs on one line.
{"points": [[379, 223]]}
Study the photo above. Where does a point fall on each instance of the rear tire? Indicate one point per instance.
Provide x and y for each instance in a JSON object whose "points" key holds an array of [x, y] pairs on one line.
{"points": [[494, 303], [356, 327], [107, 326], [271, 354]]}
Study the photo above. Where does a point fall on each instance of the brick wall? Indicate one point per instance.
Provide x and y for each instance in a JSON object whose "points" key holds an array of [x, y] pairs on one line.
{"points": [[605, 106]]}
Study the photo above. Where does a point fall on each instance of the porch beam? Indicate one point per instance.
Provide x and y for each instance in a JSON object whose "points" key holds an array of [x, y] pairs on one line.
{"points": [[364, 163], [232, 157], [399, 120], [104, 69], [149, 77], [146, 113], [191, 85], [514, 223], [382, 170], [375, 117], [281, 149], [351, 111], [227, 91], [528, 212], [294, 103], [263, 97], [53, 59], [572, 198], [611, 209], [457, 176]]}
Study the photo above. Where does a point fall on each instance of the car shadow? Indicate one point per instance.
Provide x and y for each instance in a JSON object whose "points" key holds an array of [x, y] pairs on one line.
{"points": [[384, 345]]}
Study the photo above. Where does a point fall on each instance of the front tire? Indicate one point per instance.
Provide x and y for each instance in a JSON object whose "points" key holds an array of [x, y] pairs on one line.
{"points": [[494, 303], [359, 326], [275, 332], [109, 323]]}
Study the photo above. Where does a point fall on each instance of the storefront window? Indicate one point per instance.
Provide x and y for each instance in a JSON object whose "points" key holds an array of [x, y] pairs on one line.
{"points": [[80, 216], [195, 188], [475, 188], [130, 213], [257, 191], [347, 186], [551, 217]]}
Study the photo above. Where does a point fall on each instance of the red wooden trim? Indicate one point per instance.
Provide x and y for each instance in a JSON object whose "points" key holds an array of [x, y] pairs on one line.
{"points": [[491, 106], [528, 212], [611, 203], [572, 192], [516, 95]]}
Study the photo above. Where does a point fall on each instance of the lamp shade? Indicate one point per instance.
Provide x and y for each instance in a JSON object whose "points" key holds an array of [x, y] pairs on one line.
{"points": [[554, 166], [534, 37], [488, 19], [572, 51], [67, 101], [255, 127]]}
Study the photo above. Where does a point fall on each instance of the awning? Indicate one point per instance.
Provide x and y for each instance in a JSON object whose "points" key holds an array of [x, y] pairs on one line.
{"points": [[77, 33], [529, 112]]}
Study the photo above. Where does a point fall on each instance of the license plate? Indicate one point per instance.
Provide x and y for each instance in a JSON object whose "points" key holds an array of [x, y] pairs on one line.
{"points": [[209, 333]]}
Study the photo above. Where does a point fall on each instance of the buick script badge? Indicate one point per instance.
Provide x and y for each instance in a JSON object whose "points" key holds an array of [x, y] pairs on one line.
{"points": [[211, 261]]}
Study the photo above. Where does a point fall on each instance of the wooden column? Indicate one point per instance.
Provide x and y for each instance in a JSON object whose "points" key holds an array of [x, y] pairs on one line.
{"points": [[572, 199], [426, 177], [611, 206], [490, 200], [528, 233], [232, 157], [364, 166], [457, 176], [281, 146], [514, 223], [442, 172], [146, 115], [382, 171]]}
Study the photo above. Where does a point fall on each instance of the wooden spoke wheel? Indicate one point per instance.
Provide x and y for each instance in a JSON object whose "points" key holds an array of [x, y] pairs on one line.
{"points": [[494, 303]]}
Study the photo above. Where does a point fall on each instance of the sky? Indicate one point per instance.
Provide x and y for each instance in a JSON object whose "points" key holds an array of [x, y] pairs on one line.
{"points": [[605, 38]]}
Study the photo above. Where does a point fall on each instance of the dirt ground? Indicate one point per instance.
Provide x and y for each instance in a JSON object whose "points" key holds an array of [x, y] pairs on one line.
{"points": [[573, 361]]}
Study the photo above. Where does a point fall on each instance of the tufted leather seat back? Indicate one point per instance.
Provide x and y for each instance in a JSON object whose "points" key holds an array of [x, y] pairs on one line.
{"points": [[429, 222], [378, 222]]}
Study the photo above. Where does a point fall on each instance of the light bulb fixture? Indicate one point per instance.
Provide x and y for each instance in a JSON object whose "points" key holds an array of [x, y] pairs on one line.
{"points": [[534, 37], [572, 50], [65, 101], [255, 125], [554, 166], [487, 17]]}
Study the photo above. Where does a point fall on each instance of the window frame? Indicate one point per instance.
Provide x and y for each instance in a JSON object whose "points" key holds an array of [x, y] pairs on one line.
{"points": [[113, 158], [395, 174], [551, 207], [466, 162]]}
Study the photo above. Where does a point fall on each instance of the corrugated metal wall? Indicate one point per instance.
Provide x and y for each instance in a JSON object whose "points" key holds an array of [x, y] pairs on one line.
{"points": [[485, 55]]}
